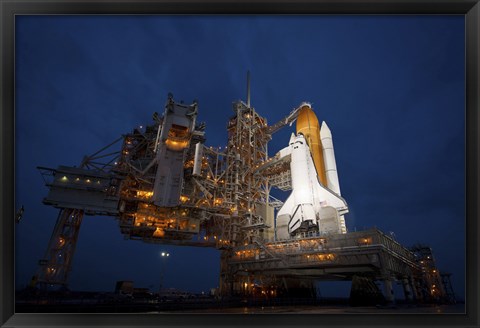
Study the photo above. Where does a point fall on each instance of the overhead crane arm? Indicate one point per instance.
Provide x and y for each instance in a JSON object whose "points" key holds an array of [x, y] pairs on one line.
{"points": [[289, 119]]}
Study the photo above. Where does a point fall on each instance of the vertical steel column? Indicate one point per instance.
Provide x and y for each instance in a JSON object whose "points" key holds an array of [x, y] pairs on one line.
{"points": [[447, 286], [415, 293], [388, 288], [226, 280], [407, 289], [57, 262]]}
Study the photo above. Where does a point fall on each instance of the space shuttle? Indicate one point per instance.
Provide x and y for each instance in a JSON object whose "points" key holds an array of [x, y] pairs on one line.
{"points": [[315, 203]]}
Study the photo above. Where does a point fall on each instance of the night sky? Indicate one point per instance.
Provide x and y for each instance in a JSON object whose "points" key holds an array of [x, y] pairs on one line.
{"points": [[391, 89]]}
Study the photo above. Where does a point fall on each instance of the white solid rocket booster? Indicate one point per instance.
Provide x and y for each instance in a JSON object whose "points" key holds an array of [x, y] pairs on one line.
{"points": [[331, 167], [329, 159]]}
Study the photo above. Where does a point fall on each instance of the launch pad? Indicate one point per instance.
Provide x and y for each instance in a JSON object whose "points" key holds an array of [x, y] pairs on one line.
{"points": [[368, 254], [164, 185]]}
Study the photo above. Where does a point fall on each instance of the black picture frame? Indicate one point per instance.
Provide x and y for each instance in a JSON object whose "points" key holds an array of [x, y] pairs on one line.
{"points": [[11, 8]]}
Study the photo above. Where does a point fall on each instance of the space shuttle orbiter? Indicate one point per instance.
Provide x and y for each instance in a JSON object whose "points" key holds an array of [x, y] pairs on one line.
{"points": [[315, 203]]}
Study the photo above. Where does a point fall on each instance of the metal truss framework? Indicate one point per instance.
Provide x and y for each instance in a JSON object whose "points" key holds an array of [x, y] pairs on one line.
{"points": [[56, 264], [431, 286]]}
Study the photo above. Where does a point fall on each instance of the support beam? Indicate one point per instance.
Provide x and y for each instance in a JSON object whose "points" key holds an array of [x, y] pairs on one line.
{"points": [[388, 290], [56, 265], [407, 289]]}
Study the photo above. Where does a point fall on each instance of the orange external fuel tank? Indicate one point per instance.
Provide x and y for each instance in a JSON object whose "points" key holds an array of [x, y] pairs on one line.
{"points": [[307, 124]]}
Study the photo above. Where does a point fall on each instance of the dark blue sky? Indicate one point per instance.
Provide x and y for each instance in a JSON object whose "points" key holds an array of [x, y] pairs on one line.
{"points": [[391, 89]]}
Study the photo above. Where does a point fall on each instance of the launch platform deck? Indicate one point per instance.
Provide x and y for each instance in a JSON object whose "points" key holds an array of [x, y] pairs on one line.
{"points": [[336, 257]]}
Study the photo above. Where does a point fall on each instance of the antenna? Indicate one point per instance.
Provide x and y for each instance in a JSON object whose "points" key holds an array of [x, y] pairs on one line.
{"points": [[248, 89]]}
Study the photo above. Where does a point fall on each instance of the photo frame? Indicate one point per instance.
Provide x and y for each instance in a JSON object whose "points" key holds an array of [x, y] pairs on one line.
{"points": [[9, 318]]}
